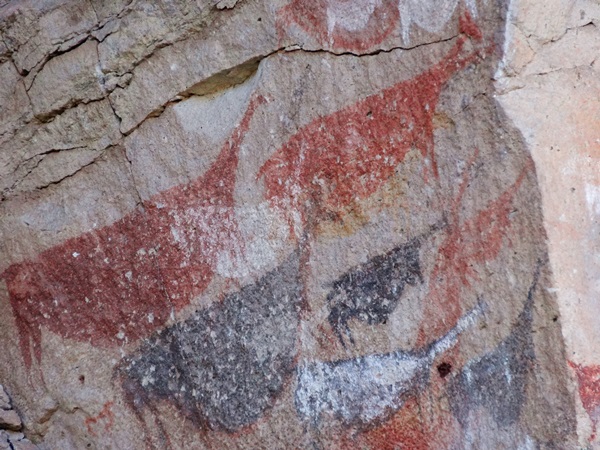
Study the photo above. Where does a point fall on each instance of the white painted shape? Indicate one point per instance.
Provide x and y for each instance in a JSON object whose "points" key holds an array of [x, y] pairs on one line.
{"points": [[264, 233], [367, 387]]}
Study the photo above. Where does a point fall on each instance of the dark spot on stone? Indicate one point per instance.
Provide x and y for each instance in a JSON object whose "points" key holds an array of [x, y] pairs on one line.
{"points": [[555, 318], [371, 291], [223, 367], [444, 369], [260, 19], [82, 379]]}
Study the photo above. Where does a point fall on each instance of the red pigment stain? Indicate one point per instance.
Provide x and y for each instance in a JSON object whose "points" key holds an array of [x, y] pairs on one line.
{"points": [[423, 423], [105, 415], [121, 282], [405, 429], [347, 25], [346, 156], [588, 378], [466, 245], [467, 26]]}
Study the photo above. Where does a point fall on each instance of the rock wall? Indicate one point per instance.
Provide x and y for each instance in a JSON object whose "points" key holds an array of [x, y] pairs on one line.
{"points": [[311, 224], [548, 85]]}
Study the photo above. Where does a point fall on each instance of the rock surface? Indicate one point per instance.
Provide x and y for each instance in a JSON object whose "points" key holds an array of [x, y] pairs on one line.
{"points": [[548, 85], [10, 425], [311, 224]]}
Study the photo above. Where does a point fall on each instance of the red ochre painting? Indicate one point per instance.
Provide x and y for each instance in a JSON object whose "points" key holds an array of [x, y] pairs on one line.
{"points": [[588, 378], [362, 26], [124, 282], [351, 25], [318, 173]]}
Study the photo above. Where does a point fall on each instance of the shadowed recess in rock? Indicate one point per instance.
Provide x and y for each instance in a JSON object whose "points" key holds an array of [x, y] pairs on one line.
{"points": [[498, 380], [371, 291], [371, 387], [223, 367]]}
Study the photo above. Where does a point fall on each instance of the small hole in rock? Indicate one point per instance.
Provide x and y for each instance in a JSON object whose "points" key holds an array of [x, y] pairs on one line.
{"points": [[444, 369], [82, 379], [555, 318]]}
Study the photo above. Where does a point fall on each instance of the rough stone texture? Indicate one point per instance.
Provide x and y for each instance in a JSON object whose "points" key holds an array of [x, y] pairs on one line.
{"points": [[10, 425], [307, 224], [548, 85], [10, 420], [67, 79], [4, 399]]}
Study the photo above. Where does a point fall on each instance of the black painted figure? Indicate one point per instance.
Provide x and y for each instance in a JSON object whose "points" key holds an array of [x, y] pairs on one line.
{"points": [[223, 366], [371, 291], [498, 380]]}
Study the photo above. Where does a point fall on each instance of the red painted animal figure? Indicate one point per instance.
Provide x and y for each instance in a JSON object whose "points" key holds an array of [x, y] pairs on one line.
{"points": [[355, 25], [467, 244], [123, 281], [350, 154]]}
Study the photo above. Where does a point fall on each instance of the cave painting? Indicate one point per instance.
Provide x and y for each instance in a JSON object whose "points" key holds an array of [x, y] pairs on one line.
{"points": [[354, 25], [223, 366], [363, 389], [335, 160], [495, 382], [467, 244], [371, 291], [362, 25], [123, 281]]}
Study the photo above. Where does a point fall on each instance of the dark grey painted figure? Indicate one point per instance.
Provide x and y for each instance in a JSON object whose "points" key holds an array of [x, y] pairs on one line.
{"points": [[498, 380], [371, 291], [223, 366]]}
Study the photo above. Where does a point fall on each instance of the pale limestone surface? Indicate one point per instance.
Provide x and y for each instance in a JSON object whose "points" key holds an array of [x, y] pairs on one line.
{"points": [[550, 88]]}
